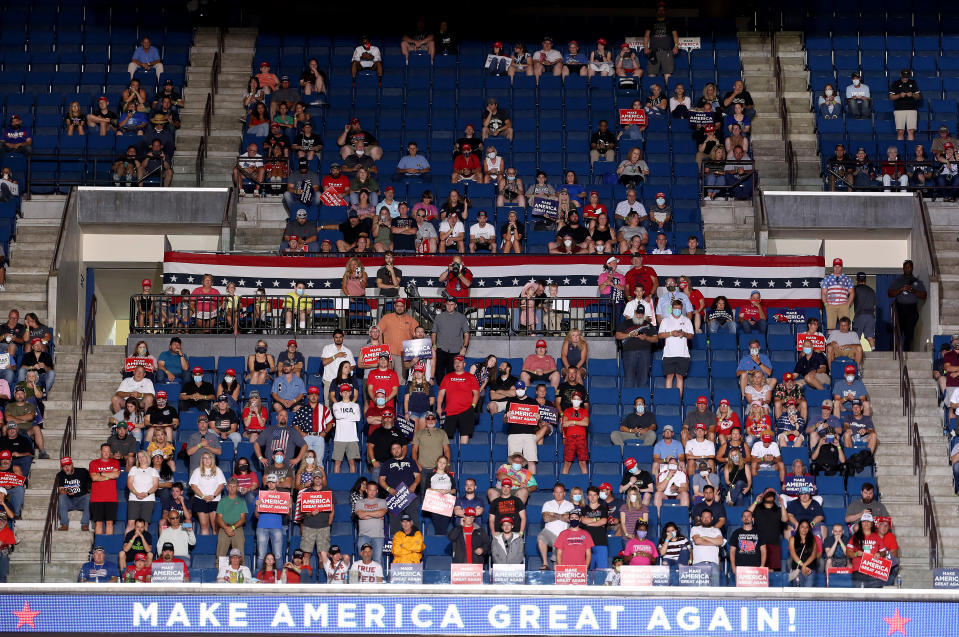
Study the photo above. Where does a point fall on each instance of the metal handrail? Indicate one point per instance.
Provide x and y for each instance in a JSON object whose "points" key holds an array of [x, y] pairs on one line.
{"points": [[200, 157], [930, 527], [208, 115], [63, 223], [927, 233], [918, 457], [215, 73]]}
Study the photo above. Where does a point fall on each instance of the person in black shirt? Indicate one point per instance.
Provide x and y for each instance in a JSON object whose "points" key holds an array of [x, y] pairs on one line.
{"points": [[502, 388], [306, 144], [496, 122], [20, 446], [637, 334], [73, 489], [594, 517], [904, 94], [39, 360], [197, 393], [770, 519], [639, 424], [380, 441], [602, 144], [566, 389], [446, 42], [276, 139], [839, 169], [470, 139], [571, 237], [745, 549], [633, 476], [125, 167], [162, 415], [137, 540], [403, 228], [739, 95], [102, 117], [156, 162], [506, 505], [351, 229]]}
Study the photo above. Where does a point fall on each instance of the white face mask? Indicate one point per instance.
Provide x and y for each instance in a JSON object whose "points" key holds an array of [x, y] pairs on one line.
{"points": [[310, 460], [672, 466], [633, 497], [360, 152], [856, 81], [753, 350], [828, 92], [380, 402], [640, 409], [604, 494], [197, 379], [850, 378], [807, 351], [576, 403], [491, 155], [521, 393], [567, 242], [228, 379]]}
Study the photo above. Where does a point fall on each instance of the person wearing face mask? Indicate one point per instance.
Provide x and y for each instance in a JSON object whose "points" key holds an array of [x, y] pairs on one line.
{"points": [[280, 436], [574, 546], [640, 550], [745, 549], [522, 439], [769, 520], [637, 333], [636, 478], [572, 237], [673, 293], [752, 316], [676, 330], [737, 476], [382, 387], [574, 424], [848, 389], [197, 393], [493, 165], [753, 361], [230, 387], [640, 425], [671, 483], [674, 547], [467, 166], [613, 506], [660, 215], [858, 98], [812, 368], [521, 479]]}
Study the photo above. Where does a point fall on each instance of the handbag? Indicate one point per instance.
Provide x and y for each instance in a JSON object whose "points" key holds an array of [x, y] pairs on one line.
{"points": [[796, 572]]}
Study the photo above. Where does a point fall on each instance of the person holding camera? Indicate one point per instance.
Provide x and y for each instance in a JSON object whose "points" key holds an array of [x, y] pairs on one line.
{"points": [[155, 161], [637, 335], [457, 278], [602, 144]]}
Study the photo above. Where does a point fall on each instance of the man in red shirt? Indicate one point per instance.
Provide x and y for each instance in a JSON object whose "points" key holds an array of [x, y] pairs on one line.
{"points": [[166, 557], [466, 165], [539, 367], [574, 546], [574, 426], [104, 472], [640, 274], [382, 386], [457, 278], [138, 571], [336, 180], [459, 393]]}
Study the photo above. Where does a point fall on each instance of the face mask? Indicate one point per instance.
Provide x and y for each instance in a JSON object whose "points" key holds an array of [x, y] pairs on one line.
{"points": [[261, 349], [278, 458], [228, 379], [828, 92], [577, 403], [856, 82], [603, 494], [491, 155], [640, 535], [380, 402], [511, 177], [636, 321], [521, 393], [672, 466], [640, 410], [660, 201], [141, 351], [734, 457], [577, 497], [300, 291], [850, 378], [677, 312], [753, 350], [634, 471], [197, 379], [567, 242], [309, 460], [671, 287], [516, 466], [807, 351], [574, 523]]}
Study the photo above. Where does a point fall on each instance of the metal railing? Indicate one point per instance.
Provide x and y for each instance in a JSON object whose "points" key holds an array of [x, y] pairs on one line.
{"points": [[930, 527], [69, 435], [200, 157], [63, 222], [876, 166], [726, 189], [252, 314]]}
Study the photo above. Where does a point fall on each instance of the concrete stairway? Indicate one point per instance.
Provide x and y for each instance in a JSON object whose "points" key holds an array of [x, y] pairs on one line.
{"points": [[945, 235], [30, 256], [225, 134], [801, 124], [894, 460], [259, 224], [728, 227], [766, 140], [70, 548]]}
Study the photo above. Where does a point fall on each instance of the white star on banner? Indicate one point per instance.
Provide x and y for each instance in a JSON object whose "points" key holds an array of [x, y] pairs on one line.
{"points": [[276, 284], [189, 279], [259, 284], [702, 282], [482, 283], [772, 284], [309, 284], [223, 281], [549, 281], [515, 281], [429, 282], [736, 283], [754, 283], [172, 278], [566, 281], [242, 283], [719, 282], [789, 284], [582, 280], [805, 283], [326, 284], [499, 282]]}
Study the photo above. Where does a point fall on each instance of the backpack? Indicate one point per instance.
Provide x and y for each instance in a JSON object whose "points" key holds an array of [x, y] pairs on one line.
{"points": [[859, 462]]}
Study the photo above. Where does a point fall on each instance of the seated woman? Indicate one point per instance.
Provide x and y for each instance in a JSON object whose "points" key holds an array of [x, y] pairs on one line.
{"points": [[714, 172], [829, 105], [737, 117], [921, 173], [720, 316], [656, 103], [260, 365], [510, 190], [758, 390], [255, 417], [757, 421], [259, 122], [426, 204], [679, 104], [633, 170], [726, 420], [365, 180], [455, 205], [493, 165], [594, 207], [736, 138], [231, 387], [632, 132], [75, 119], [601, 235], [632, 232], [571, 183], [512, 233], [575, 354]]}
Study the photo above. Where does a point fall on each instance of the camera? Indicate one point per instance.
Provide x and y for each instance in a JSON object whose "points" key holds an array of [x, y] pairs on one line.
{"points": [[455, 268]]}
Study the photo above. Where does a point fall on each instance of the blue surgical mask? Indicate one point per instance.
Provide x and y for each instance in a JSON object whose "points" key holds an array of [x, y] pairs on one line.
{"points": [[197, 379], [807, 351], [300, 291], [677, 312], [577, 497], [634, 471], [516, 466], [380, 402], [640, 409], [278, 458]]}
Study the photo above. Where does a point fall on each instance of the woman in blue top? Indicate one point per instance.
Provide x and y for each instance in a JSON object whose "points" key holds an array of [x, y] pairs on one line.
{"points": [[737, 117], [574, 63], [419, 397]]}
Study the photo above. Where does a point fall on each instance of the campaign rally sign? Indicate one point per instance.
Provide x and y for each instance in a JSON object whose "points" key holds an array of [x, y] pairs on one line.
{"points": [[331, 197], [799, 484], [643, 575], [508, 574], [273, 502], [789, 316], [439, 503], [421, 348], [406, 574], [371, 353], [635, 116], [689, 44], [570, 574], [818, 342], [945, 578], [405, 426], [166, 572], [499, 59], [545, 207], [131, 363], [752, 577], [694, 575], [700, 118], [466, 574], [549, 415], [10, 480], [316, 501], [400, 500], [519, 414], [875, 566]]}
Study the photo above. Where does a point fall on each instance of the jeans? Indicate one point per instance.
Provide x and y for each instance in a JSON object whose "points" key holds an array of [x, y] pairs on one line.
{"points": [[805, 581], [743, 190], [46, 378], [15, 497], [714, 179], [748, 327], [859, 109], [66, 503], [714, 327], [713, 572], [441, 523], [944, 182], [270, 538], [600, 559], [318, 445], [376, 542], [9, 375], [737, 495], [636, 363]]}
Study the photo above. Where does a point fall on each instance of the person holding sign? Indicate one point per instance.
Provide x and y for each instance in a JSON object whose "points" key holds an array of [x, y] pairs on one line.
{"points": [[397, 326], [272, 507], [399, 472], [314, 513], [174, 565], [812, 368], [890, 546]]}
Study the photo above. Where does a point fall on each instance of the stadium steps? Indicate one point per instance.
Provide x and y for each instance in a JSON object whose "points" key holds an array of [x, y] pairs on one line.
{"points": [[259, 225], [801, 122], [945, 235], [224, 139], [728, 227], [894, 461], [31, 254], [766, 140]]}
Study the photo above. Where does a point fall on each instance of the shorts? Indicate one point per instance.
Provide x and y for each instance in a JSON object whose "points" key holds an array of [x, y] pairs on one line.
{"points": [[500, 404], [547, 537], [199, 505], [865, 324], [318, 537], [664, 63], [345, 450], [539, 378], [905, 120], [952, 397], [574, 448], [524, 444], [676, 365], [465, 422], [205, 316], [416, 415], [103, 511], [138, 509], [601, 67]]}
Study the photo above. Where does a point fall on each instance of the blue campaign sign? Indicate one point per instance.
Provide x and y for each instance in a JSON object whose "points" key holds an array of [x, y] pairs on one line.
{"points": [[431, 614]]}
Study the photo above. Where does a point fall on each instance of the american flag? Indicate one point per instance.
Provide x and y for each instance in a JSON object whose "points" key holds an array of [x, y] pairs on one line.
{"points": [[782, 281]]}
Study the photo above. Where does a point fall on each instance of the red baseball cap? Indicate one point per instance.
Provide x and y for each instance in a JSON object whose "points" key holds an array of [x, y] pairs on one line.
{"points": [[850, 369], [837, 261], [576, 394], [197, 370], [355, 120], [388, 413], [574, 42], [724, 402], [540, 343], [390, 188], [601, 41], [230, 372], [292, 341], [629, 463], [498, 45], [506, 482], [459, 357], [419, 367], [146, 282], [466, 147], [470, 511], [140, 556], [346, 387], [703, 400], [701, 425], [313, 390], [661, 194], [767, 438], [948, 145], [5, 455], [65, 460], [264, 63], [161, 394], [709, 128], [606, 486], [624, 45], [35, 339], [506, 519], [788, 376]]}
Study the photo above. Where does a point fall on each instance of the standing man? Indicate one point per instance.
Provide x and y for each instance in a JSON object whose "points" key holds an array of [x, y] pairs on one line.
{"points": [[864, 309], [457, 278], [399, 471], [904, 94], [333, 355], [744, 546], [637, 335], [470, 542], [458, 396], [451, 337], [837, 295], [907, 290], [389, 278], [231, 512], [676, 330], [574, 545], [661, 43], [396, 327], [104, 472], [314, 525]]}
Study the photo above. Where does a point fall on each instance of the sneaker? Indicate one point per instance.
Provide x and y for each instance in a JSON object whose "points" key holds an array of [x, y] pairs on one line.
{"points": [[3, 288], [44, 455]]}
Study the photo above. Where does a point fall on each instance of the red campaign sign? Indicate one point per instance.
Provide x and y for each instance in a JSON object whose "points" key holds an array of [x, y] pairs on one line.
{"points": [[752, 577], [273, 502], [466, 573], [331, 197], [570, 575], [818, 342], [875, 566], [316, 501], [10, 480], [371, 353], [130, 364], [519, 414], [632, 116], [439, 503]]}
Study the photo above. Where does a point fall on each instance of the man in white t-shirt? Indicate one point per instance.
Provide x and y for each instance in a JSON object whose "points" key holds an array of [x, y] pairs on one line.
{"points": [[333, 355], [346, 443], [677, 330], [555, 521], [138, 386], [482, 234], [671, 483], [337, 566], [452, 234], [628, 205], [366, 570], [700, 449], [547, 59], [367, 56], [767, 456], [707, 540]]}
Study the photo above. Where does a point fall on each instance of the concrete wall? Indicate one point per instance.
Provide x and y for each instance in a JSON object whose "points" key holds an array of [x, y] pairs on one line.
{"points": [[69, 312], [162, 207]]}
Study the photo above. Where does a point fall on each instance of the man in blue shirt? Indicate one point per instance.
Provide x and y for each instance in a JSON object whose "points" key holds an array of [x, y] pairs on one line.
{"points": [[666, 301], [752, 362], [399, 471], [850, 388], [667, 447], [133, 121], [288, 388], [825, 423], [146, 57], [173, 363], [98, 570], [16, 137], [413, 166], [467, 500]]}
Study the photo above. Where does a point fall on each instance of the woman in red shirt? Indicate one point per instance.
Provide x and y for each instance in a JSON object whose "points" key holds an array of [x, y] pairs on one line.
{"points": [[205, 309], [757, 421], [864, 540], [249, 482], [269, 574], [255, 418], [726, 421]]}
